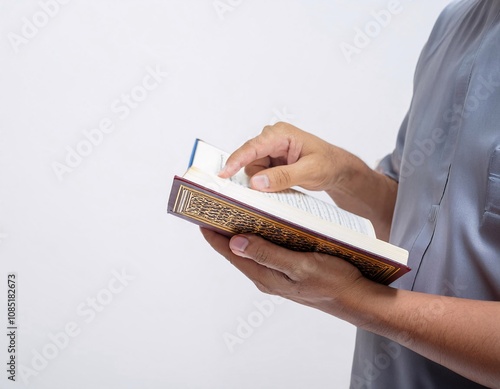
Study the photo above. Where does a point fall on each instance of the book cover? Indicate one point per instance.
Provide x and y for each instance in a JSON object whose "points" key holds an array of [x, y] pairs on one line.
{"points": [[208, 208]]}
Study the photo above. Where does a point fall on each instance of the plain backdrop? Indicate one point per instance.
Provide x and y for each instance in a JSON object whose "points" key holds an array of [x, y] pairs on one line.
{"points": [[112, 292]]}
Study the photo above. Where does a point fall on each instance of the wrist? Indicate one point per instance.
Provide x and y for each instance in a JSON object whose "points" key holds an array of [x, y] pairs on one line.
{"points": [[357, 303], [351, 175]]}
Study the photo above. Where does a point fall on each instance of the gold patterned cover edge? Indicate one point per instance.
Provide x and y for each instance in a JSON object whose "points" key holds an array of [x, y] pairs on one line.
{"points": [[225, 215]]}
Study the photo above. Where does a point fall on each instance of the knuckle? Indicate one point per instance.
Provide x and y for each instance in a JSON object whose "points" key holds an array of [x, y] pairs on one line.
{"points": [[251, 142], [305, 269], [267, 129], [298, 272], [311, 266], [282, 177], [268, 132], [252, 145], [279, 125], [276, 127], [261, 255]]}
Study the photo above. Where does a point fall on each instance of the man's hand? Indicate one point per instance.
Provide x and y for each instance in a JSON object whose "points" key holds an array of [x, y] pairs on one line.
{"points": [[316, 280], [460, 334], [283, 156]]}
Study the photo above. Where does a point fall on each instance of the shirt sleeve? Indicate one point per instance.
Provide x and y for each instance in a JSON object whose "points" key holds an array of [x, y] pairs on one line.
{"points": [[390, 165]]}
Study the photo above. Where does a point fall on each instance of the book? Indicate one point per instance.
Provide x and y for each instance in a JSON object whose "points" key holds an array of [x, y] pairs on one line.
{"points": [[291, 218]]}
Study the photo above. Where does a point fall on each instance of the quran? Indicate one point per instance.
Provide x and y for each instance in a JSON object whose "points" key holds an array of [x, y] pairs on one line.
{"points": [[291, 218]]}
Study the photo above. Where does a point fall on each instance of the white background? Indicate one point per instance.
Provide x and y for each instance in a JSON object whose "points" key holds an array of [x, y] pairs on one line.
{"points": [[229, 74]]}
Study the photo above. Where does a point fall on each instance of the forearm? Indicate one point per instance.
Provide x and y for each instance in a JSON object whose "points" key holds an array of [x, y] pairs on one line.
{"points": [[365, 192], [460, 334]]}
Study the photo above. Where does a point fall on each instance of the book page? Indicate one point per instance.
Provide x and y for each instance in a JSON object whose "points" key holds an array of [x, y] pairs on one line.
{"points": [[322, 209], [211, 160]]}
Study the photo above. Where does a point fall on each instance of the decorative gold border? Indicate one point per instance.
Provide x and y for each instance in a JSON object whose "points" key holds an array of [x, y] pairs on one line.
{"points": [[372, 268]]}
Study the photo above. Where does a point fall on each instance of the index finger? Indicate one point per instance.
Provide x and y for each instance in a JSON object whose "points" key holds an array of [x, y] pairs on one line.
{"points": [[267, 144]]}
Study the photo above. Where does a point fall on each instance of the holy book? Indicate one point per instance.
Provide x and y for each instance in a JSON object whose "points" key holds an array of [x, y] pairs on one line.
{"points": [[291, 218]]}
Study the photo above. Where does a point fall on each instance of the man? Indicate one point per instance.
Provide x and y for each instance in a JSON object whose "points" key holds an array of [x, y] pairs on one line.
{"points": [[437, 195]]}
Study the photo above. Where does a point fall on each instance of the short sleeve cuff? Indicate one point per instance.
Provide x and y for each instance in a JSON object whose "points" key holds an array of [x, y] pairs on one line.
{"points": [[387, 167]]}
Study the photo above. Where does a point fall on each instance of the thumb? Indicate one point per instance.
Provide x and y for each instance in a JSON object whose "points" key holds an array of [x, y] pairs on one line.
{"points": [[281, 177], [264, 253]]}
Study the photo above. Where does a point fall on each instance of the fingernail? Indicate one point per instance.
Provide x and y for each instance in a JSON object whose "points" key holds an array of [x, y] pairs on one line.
{"points": [[260, 182], [238, 243]]}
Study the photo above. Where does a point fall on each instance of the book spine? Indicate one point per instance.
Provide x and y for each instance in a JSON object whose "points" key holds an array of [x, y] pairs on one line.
{"points": [[191, 158]]}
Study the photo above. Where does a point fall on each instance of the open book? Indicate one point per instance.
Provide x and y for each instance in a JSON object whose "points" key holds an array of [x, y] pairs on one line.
{"points": [[290, 218]]}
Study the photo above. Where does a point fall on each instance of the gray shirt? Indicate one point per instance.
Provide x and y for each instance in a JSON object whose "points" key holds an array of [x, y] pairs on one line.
{"points": [[447, 163]]}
